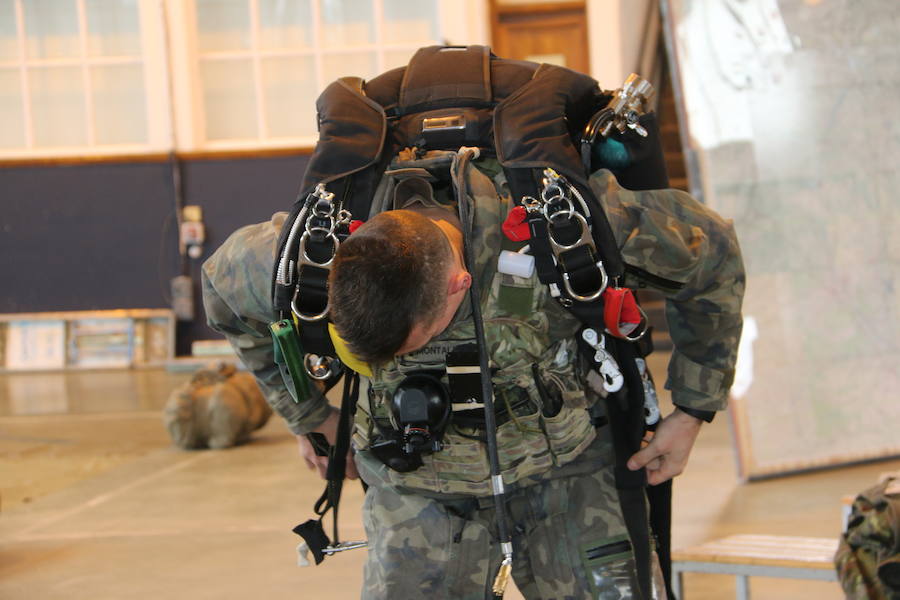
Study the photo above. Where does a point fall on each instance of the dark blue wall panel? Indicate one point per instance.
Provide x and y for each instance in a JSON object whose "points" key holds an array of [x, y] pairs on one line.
{"points": [[102, 236], [234, 194]]}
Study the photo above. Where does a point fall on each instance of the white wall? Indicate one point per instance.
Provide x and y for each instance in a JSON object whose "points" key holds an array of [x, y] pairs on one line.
{"points": [[615, 36]]}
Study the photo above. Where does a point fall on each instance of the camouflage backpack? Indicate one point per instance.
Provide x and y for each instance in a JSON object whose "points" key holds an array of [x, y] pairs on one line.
{"points": [[218, 408], [868, 558]]}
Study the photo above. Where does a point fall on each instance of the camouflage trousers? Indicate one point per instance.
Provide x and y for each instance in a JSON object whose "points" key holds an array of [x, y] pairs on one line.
{"points": [[569, 538]]}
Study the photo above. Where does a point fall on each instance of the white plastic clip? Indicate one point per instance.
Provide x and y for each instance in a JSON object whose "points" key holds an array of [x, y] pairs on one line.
{"points": [[607, 367], [302, 555]]}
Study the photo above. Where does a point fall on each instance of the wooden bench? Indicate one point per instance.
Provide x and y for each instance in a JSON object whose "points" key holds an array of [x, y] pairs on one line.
{"points": [[760, 555]]}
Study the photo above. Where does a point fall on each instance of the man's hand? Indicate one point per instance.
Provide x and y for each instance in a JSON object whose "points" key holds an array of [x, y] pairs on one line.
{"points": [[667, 453], [329, 429]]}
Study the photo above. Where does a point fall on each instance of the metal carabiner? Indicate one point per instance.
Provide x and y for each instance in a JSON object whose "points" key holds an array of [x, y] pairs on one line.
{"points": [[305, 317], [330, 549], [604, 278], [642, 330], [318, 367], [584, 239], [566, 211], [343, 547], [305, 260], [532, 205]]}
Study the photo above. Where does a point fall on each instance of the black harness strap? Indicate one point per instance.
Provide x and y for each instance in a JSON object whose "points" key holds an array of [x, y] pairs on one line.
{"points": [[312, 531], [521, 185], [626, 411], [531, 130], [426, 85]]}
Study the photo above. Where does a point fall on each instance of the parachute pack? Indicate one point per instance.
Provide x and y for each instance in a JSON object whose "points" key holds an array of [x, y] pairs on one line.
{"points": [[548, 128]]}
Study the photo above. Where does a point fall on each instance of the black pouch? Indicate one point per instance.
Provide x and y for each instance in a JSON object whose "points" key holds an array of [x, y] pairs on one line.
{"points": [[313, 534]]}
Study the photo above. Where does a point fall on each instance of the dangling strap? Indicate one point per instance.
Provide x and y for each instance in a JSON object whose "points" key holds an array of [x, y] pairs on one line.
{"points": [[626, 411], [312, 531]]}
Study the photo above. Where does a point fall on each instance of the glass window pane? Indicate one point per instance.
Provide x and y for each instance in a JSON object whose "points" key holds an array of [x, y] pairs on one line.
{"points": [[9, 41], [113, 27], [285, 24], [51, 29], [358, 64], [410, 22], [12, 127], [120, 115], [57, 106], [290, 90], [229, 100], [347, 23], [223, 25]]}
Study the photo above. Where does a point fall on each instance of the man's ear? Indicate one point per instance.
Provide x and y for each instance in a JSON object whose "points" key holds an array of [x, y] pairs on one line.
{"points": [[460, 281]]}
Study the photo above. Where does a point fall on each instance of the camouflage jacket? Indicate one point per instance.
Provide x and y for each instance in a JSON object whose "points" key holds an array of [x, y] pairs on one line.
{"points": [[868, 557], [664, 234]]}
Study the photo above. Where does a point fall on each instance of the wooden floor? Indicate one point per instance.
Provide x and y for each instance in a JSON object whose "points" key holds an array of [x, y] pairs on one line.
{"points": [[96, 504]]}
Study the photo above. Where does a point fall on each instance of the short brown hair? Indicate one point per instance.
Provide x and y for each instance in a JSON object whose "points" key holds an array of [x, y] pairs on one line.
{"points": [[386, 277]]}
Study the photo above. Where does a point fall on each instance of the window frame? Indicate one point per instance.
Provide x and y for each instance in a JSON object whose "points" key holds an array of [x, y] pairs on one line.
{"points": [[460, 21], [152, 58], [173, 95]]}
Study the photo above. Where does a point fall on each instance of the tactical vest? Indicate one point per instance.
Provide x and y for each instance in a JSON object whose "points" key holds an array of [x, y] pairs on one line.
{"points": [[532, 346], [530, 117]]}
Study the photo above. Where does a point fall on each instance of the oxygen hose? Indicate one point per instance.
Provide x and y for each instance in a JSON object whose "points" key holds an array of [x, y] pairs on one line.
{"points": [[464, 155]]}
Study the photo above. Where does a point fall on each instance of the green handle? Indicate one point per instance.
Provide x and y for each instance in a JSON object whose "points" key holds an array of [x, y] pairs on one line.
{"points": [[288, 350]]}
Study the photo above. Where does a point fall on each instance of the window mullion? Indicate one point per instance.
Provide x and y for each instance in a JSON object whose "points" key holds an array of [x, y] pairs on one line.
{"points": [[86, 75], [187, 107], [261, 121], [378, 13], [27, 119], [157, 77], [317, 43]]}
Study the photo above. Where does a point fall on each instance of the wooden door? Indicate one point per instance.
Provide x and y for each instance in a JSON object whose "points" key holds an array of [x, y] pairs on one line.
{"points": [[550, 32]]}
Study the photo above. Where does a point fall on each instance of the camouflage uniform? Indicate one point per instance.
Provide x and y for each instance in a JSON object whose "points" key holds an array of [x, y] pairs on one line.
{"points": [[868, 558], [431, 530]]}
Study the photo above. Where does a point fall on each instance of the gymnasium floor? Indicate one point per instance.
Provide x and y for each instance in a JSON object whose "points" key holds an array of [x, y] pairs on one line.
{"points": [[96, 503]]}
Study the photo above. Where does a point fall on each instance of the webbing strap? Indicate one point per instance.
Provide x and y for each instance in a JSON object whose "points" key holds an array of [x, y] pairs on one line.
{"points": [[337, 461], [425, 83], [634, 510], [660, 500], [312, 531], [626, 411], [313, 282], [521, 184], [540, 249]]}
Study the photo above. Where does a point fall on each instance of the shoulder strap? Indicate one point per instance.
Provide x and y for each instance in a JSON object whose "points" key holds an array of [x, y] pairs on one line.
{"points": [[426, 85], [531, 131], [352, 132]]}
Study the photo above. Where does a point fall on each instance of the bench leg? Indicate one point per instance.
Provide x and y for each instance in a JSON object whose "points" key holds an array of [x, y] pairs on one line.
{"points": [[678, 584], [743, 587]]}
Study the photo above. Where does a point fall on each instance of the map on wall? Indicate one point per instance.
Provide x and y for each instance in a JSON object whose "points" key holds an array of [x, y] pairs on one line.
{"points": [[790, 112]]}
